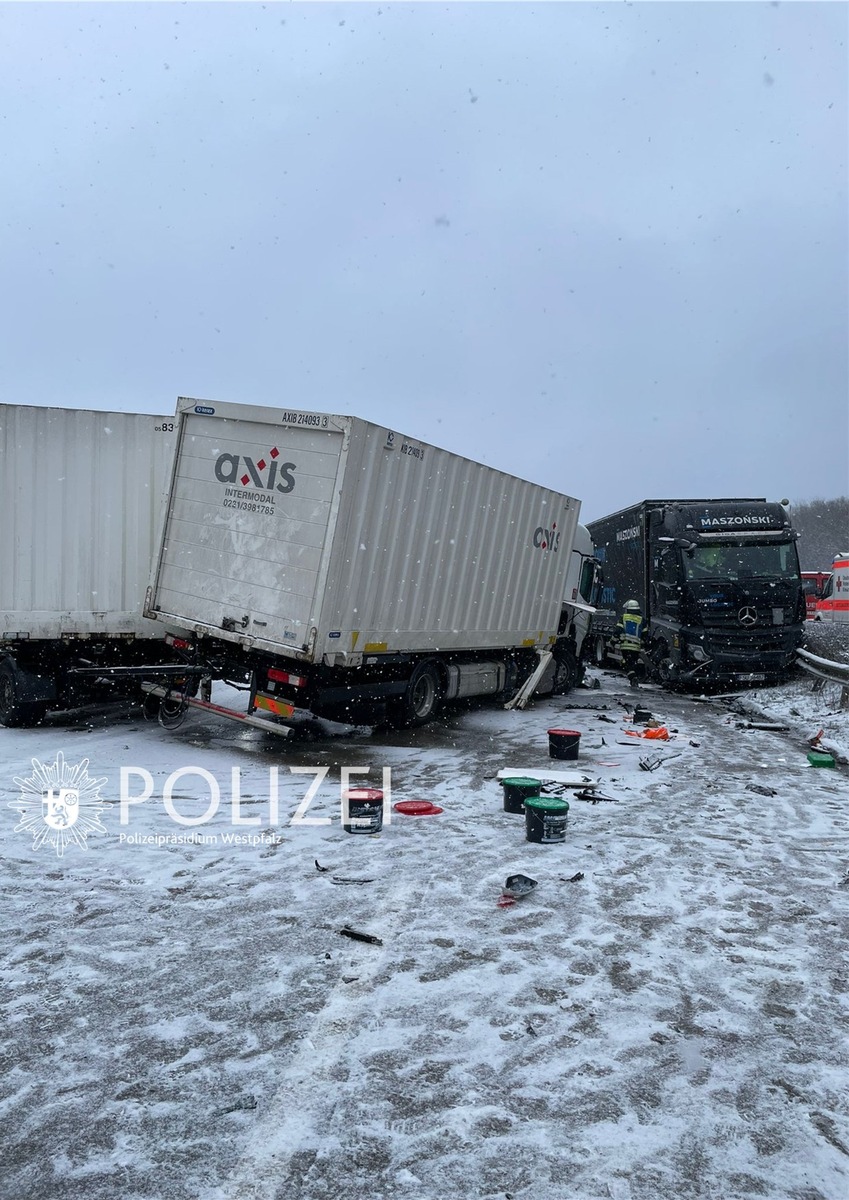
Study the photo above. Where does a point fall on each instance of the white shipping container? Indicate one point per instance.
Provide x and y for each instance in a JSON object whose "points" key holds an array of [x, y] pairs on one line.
{"points": [[81, 496], [328, 538]]}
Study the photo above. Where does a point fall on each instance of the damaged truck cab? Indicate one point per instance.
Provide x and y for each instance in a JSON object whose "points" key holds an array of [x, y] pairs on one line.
{"points": [[719, 584]]}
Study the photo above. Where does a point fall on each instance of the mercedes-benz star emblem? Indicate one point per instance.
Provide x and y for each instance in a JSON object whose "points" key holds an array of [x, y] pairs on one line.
{"points": [[747, 616]]}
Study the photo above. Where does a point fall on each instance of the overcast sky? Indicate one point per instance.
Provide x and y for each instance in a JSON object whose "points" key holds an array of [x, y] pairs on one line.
{"points": [[603, 247]]}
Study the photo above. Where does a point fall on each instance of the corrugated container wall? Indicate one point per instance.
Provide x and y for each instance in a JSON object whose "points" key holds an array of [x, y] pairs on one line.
{"points": [[375, 543], [81, 496]]}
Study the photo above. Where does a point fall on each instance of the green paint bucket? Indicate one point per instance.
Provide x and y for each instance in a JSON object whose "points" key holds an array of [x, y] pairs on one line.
{"points": [[517, 790], [546, 818]]}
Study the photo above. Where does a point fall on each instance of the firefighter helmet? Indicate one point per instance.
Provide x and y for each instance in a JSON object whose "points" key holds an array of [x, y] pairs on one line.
{"points": [[632, 606]]}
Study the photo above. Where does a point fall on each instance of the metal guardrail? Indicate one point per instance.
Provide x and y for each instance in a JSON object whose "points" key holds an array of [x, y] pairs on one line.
{"points": [[826, 671]]}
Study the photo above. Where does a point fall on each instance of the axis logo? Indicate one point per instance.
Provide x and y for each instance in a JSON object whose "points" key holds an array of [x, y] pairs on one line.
{"points": [[59, 804], [546, 539], [228, 469]]}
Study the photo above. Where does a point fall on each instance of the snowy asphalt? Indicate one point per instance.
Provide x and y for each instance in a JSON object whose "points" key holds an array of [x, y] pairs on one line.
{"points": [[183, 1021]]}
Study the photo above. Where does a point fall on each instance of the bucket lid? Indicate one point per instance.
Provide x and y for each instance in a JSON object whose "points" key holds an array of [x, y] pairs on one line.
{"points": [[417, 808], [552, 804], [521, 781], [566, 732], [364, 793]]}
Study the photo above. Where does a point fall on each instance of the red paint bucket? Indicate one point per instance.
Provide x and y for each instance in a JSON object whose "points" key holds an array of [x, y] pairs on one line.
{"points": [[362, 810], [563, 743]]}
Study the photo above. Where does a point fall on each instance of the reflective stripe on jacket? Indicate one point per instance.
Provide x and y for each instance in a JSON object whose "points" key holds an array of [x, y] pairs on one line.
{"points": [[631, 626]]}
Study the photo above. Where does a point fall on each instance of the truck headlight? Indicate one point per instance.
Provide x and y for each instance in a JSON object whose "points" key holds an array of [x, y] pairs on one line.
{"points": [[698, 654]]}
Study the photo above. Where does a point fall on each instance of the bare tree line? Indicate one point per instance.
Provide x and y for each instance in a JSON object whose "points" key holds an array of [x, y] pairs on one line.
{"points": [[823, 528]]}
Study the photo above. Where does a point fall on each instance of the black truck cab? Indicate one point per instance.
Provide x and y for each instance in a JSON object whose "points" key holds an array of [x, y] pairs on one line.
{"points": [[717, 580]]}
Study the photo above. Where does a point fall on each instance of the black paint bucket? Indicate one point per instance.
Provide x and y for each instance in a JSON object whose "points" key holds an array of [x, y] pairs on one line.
{"points": [[362, 810], [546, 818], [563, 743], [517, 790]]}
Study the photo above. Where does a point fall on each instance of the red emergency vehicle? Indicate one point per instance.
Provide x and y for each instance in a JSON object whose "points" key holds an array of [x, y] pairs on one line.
{"points": [[813, 583], [834, 605]]}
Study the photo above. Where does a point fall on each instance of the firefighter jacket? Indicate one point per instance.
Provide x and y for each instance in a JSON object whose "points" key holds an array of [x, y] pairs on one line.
{"points": [[630, 630]]}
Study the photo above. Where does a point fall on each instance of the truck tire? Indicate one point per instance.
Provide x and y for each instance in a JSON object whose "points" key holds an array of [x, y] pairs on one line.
{"points": [[565, 672], [600, 650], [422, 698], [14, 712]]}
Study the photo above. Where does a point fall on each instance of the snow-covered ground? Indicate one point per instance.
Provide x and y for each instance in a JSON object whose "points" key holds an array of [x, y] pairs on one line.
{"points": [[184, 1021]]}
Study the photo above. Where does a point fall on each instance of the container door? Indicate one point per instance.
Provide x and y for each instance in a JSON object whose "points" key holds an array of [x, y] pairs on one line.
{"points": [[248, 520]]}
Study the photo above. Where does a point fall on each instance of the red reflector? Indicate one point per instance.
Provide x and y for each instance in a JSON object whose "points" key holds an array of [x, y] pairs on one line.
{"points": [[278, 676], [178, 643]]}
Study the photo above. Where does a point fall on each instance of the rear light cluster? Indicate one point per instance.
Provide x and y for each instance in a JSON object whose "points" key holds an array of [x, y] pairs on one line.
{"points": [[275, 675]]}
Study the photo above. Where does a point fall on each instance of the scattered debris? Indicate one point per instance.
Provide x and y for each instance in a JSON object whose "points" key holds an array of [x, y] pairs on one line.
{"points": [[319, 867], [641, 716], [595, 797], [576, 878], [243, 1104], [659, 732], [655, 761], [340, 879], [530, 1029], [815, 740], [769, 726], [761, 789], [609, 720], [519, 885], [417, 808], [692, 743], [515, 887], [570, 778], [346, 931], [819, 758], [651, 762]]}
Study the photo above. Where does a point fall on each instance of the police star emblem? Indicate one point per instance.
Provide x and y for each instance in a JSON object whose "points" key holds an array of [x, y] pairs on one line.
{"points": [[59, 804]]}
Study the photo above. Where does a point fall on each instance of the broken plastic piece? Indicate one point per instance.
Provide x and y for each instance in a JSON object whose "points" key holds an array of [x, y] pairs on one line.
{"points": [[346, 931], [595, 797], [660, 734], [519, 885], [576, 878], [761, 789], [417, 808]]}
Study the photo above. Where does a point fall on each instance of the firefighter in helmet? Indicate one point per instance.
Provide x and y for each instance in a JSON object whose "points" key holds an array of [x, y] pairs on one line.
{"points": [[631, 630]]}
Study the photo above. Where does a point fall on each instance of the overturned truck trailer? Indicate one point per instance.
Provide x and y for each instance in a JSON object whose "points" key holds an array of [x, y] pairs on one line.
{"points": [[339, 568]]}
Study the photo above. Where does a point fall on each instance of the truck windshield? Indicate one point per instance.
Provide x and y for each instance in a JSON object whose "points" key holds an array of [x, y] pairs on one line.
{"points": [[742, 561]]}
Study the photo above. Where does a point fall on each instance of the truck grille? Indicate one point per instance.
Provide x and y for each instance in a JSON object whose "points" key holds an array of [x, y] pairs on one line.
{"points": [[748, 617]]}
